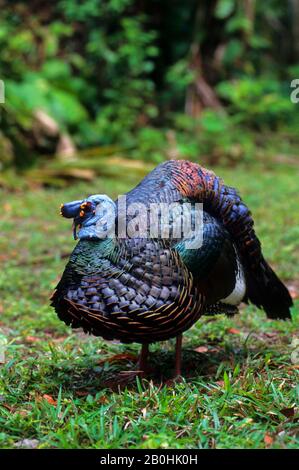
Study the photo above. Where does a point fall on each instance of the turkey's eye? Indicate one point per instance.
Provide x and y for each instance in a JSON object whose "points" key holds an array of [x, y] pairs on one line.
{"points": [[85, 208]]}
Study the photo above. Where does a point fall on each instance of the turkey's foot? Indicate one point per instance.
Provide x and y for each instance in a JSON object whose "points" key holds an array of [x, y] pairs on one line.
{"points": [[129, 376], [125, 377], [177, 379], [143, 368], [121, 379]]}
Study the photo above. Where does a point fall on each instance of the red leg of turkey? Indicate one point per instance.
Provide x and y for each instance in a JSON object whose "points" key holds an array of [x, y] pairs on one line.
{"points": [[142, 361], [178, 356], [142, 368]]}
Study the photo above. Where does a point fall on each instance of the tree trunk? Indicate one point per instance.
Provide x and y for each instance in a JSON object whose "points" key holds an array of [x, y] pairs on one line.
{"points": [[295, 27], [249, 9]]}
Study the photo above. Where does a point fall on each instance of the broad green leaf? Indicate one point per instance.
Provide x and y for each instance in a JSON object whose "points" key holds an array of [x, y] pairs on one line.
{"points": [[224, 8]]}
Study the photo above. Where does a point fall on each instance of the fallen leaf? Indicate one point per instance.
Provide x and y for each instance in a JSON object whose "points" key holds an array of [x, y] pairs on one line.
{"points": [[103, 400], [50, 400], [8, 407], [233, 331], [143, 411], [271, 334], [60, 339], [32, 339], [201, 349], [288, 412], [268, 440], [119, 357], [220, 383], [82, 393]]}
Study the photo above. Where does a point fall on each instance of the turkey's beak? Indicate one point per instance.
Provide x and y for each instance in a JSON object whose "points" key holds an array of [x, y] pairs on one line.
{"points": [[70, 210]]}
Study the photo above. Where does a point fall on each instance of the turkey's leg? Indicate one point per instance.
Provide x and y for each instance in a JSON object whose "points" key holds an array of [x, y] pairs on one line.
{"points": [[142, 364], [178, 356], [141, 369]]}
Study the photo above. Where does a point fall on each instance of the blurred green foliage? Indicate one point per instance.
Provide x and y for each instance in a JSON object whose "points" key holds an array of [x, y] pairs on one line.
{"points": [[158, 78]]}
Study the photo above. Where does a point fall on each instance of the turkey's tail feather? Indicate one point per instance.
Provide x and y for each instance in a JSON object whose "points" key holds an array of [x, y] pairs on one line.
{"points": [[265, 290]]}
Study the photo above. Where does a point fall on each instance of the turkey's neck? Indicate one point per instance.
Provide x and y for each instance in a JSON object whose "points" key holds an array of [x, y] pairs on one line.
{"points": [[89, 254]]}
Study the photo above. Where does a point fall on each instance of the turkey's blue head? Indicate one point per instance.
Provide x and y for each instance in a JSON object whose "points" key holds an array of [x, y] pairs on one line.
{"points": [[93, 216]]}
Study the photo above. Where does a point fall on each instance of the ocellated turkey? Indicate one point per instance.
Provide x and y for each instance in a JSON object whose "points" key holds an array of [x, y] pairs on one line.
{"points": [[143, 290]]}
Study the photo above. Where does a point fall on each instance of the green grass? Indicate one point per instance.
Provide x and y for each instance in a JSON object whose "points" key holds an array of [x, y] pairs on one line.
{"points": [[239, 392]]}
